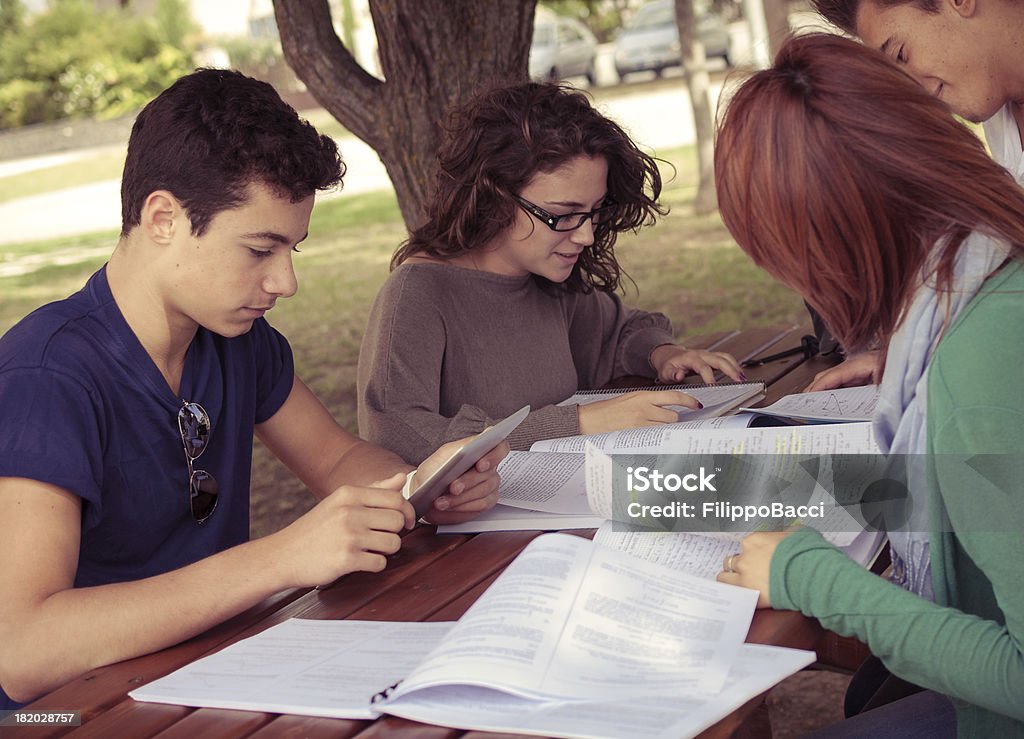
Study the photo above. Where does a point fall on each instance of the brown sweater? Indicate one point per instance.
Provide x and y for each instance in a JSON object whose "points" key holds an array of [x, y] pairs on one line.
{"points": [[450, 350]]}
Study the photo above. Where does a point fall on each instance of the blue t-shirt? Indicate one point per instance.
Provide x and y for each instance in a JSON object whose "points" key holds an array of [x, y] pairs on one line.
{"points": [[83, 407]]}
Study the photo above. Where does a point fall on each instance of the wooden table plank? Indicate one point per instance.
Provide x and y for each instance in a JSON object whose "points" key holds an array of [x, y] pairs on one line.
{"points": [[392, 727], [449, 578], [146, 719], [215, 723], [757, 341], [309, 727], [799, 377]]}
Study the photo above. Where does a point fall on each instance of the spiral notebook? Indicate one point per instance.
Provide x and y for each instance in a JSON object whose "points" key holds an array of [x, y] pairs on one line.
{"points": [[717, 399]]}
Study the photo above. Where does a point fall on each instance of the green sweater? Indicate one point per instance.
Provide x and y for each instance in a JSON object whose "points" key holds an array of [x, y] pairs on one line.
{"points": [[970, 643]]}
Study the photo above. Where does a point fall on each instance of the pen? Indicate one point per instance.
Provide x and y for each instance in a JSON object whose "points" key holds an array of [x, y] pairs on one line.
{"points": [[808, 347]]}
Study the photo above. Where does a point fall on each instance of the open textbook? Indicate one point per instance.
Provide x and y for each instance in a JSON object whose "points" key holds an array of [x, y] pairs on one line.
{"points": [[547, 486], [573, 639]]}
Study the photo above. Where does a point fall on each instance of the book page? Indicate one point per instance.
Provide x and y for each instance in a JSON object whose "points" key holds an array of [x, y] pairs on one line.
{"points": [[544, 481], [568, 619], [682, 714], [642, 629], [507, 518], [508, 636], [703, 555], [840, 438], [825, 466], [840, 404], [304, 666]]}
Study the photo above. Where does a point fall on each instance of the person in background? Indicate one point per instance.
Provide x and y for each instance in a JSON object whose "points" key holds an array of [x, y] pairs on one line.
{"points": [[129, 408], [842, 177], [966, 52], [506, 295]]}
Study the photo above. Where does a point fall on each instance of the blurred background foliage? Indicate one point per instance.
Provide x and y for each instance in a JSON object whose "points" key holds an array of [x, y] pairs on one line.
{"points": [[76, 60]]}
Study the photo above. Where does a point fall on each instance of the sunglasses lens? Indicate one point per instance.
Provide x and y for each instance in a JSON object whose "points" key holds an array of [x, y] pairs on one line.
{"points": [[194, 424], [204, 495]]}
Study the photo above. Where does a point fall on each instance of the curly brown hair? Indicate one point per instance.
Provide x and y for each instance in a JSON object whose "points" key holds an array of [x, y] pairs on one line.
{"points": [[497, 143], [211, 134]]}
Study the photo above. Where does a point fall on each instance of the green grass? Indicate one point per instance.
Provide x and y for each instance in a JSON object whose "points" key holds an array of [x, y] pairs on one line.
{"points": [[687, 267]]}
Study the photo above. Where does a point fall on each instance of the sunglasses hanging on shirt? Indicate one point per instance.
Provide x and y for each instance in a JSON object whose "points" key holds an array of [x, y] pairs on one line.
{"points": [[194, 425]]}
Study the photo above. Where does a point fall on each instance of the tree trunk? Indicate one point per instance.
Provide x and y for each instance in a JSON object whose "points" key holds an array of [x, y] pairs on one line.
{"points": [[434, 54], [698, 83]]}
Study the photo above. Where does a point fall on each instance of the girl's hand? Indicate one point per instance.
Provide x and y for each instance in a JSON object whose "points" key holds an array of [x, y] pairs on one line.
{"points": [[633, 410], [859, 369], [752, 566], [672, 363]]}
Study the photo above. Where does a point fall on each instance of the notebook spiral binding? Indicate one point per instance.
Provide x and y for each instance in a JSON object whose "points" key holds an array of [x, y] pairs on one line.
{"points": [[384, 694], [684, 388]]}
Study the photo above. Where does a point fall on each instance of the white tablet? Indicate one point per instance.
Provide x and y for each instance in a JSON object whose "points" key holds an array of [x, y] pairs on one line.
{"points": [[465, 457]]}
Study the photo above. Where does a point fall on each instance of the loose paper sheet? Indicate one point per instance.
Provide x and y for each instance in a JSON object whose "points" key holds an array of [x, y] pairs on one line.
{"points": [[304, 666]]}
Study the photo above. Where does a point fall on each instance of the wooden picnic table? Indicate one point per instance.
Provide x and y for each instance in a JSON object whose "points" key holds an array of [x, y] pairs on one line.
{"points": [[433, 578]]}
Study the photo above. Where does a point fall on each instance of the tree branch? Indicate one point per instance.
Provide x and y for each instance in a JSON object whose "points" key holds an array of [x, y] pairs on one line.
{"points": [[328, 69]]}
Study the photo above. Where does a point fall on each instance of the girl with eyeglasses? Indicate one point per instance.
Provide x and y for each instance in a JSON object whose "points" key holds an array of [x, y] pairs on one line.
{"points": [[506, 295], [848, 181]]}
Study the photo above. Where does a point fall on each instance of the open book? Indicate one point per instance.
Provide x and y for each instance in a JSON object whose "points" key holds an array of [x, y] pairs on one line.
{"points": [[573, 639], [546, 487], [571, 487]]}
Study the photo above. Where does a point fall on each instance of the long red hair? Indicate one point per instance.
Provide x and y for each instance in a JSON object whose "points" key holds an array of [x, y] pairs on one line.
{"points": [[838, 174]]}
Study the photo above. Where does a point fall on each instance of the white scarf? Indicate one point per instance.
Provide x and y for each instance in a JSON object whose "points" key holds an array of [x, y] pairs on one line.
{"points": [[900, 421]]}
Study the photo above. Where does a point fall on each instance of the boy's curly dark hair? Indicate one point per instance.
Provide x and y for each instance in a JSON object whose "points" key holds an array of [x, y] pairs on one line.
{"points": [[210, 135]]}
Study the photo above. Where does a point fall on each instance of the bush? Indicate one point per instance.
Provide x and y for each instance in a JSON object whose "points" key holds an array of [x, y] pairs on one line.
{"points": [[74, 60]]}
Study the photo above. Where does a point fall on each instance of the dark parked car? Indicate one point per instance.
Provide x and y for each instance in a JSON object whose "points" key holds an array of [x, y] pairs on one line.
{"points": [[650, 41]]}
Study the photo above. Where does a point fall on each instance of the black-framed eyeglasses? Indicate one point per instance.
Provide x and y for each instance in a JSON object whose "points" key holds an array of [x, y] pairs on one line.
{"points": [[568, 221], [194, 425]]}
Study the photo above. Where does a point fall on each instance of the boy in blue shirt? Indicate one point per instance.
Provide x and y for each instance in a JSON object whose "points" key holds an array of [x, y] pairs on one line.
{"points": [[129, 408]]}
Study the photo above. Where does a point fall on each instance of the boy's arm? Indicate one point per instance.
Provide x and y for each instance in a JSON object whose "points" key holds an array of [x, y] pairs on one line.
{"points": [[51, 631], [305, 436]]}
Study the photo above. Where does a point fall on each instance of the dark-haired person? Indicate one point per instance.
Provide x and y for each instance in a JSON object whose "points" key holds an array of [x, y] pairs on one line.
{"points": [[966, 52], [129, 408], [506, 295], [893, 222]]}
